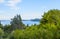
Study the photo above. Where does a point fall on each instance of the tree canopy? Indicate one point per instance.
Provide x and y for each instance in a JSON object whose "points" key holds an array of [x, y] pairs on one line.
{"points": [[16, 22], [49, 28]]}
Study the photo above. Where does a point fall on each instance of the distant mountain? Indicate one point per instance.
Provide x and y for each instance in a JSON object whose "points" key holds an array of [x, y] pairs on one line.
{"points": [[36, 19]]}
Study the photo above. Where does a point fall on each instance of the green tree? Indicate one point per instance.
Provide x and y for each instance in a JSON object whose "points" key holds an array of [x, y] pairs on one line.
{"points": [[49, 27], [1, 26], [52, 16], [1, 33], [51, 22], [7, 28], [16, 23]]}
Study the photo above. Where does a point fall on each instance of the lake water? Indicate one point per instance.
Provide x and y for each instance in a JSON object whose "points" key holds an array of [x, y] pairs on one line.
{"points": [[4, 22]]}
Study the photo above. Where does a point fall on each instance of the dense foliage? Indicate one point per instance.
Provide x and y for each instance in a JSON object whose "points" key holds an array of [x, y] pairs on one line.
{"points": [[49, 28], [16, 23]]}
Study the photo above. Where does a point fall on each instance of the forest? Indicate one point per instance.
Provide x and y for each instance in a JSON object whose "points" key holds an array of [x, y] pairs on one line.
{"points": [[48, 28]]}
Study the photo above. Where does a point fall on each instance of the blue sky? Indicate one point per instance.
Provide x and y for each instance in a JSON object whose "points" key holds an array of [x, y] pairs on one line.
{"points": [[28, 9]]}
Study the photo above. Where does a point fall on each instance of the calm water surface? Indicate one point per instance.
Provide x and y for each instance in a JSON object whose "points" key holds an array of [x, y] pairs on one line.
{"points": [[25, 22]]}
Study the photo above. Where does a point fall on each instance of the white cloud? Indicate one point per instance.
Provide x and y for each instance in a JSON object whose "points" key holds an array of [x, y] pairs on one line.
{"points": [[13, 4], [1, 1], [6, 15], [31, 15]]}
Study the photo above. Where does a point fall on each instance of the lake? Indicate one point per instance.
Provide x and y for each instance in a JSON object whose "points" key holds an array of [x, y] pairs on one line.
{"points": [[4, 22]]}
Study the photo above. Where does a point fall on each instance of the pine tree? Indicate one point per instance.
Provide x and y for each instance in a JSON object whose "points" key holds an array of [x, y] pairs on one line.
{"points": [[16, 23]]}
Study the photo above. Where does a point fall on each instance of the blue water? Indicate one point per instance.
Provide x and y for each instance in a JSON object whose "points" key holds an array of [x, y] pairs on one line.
{"points": [[6, 22]]}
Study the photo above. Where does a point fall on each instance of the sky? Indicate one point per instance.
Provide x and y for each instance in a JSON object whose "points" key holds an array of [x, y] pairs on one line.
{"points": [[28, 9]]}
